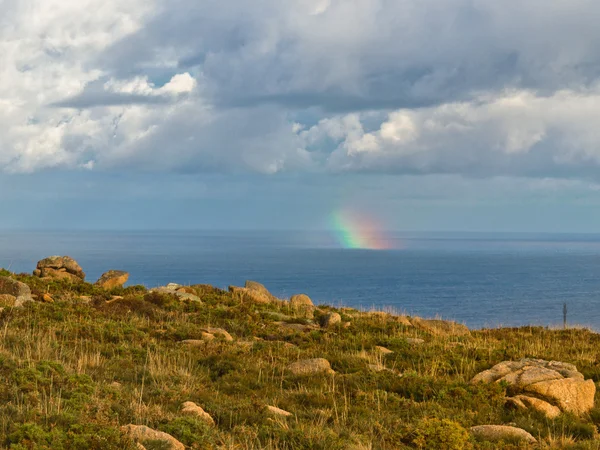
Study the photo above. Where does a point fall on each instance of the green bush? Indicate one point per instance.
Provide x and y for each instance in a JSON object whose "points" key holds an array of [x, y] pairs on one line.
{"points": [[441, 434]]}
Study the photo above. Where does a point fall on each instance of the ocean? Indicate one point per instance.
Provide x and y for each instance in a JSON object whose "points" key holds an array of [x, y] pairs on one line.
{"points": [[481, 280]]}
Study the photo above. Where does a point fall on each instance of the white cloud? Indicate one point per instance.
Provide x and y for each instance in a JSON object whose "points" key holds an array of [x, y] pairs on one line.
{"points": [[446, 86]]}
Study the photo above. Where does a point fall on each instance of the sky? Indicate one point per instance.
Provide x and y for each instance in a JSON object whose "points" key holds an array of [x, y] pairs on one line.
{"points": [[424, 115]]}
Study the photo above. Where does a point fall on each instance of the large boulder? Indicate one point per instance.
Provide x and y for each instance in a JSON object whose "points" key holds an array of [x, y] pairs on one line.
{"points": [[302, 306], [440, 327], [61, 267], [256, 287], [13, 292], [310, 367], [495, 433], [543, 385], [112, 279], [142, 434], [250, 295]]}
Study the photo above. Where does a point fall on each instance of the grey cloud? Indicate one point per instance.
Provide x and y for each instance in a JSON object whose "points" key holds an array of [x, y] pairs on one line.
{"points": [[100, 99]]}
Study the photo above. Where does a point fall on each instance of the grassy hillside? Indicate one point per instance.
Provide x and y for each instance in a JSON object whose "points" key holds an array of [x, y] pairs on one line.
{"points": [[74, 371]]}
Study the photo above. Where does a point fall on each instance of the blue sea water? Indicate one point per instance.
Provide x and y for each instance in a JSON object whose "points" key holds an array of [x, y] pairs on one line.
{"points": [[482, 280]]}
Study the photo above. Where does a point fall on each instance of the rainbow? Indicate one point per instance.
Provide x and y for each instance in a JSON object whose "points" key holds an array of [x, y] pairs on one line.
{"points": [[354, 230]]}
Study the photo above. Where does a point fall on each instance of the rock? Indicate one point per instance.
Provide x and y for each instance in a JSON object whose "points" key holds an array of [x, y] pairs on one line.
{"points": [[494, 433], [331, 319], [63, 267], [143, 434], [195, 410], [556, 383], [300, 300], [302, 306], [218, 332], [415, 341], [570, 394], [383, 350], [13, 288], [245, 294], [440, 327], [47, 298], [112, 279], [186, 290], [278, 412], [310, 366], [254, 287], [403, 320], [184, 296], [525, 402], [194, 342], [7, 300]]}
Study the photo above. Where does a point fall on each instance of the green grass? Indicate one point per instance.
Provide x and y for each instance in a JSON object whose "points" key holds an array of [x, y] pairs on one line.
{"points": [[72, 373]]}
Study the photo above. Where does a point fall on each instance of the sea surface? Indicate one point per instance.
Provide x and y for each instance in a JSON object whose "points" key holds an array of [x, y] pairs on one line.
{"points": [[482, 280]]}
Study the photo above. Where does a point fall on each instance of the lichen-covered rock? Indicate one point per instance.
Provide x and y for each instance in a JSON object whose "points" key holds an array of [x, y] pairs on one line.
{"points": [[63, 267], [113, 279], [193, 409], [143, 434], [495, 433], [556, 383], [310, 367], [440, 327], [12, 288]]}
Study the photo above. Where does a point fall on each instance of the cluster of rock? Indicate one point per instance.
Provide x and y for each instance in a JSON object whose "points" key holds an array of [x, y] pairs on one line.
{"points": [[181, 292], [549, 387]]}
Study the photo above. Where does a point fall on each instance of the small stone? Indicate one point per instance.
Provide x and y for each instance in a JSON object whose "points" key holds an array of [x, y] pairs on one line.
{"points": [[310, 367], [195, 410], [218, 332], [278, 412], [493, 433], [144, 434], [415, 341], [47, 298], [383, 350]]}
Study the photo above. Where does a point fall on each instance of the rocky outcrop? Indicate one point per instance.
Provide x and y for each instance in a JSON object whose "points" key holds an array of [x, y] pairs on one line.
{"points": [[60, 267], [310, 367], [254, 292], [495, 433], [551, 385], [142, 434], [112, 279], [302, 305], [13, 292], [194, 410], [440, 327]]}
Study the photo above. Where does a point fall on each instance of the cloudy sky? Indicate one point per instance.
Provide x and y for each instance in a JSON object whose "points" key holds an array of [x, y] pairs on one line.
{"points": [[425, 114]]}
